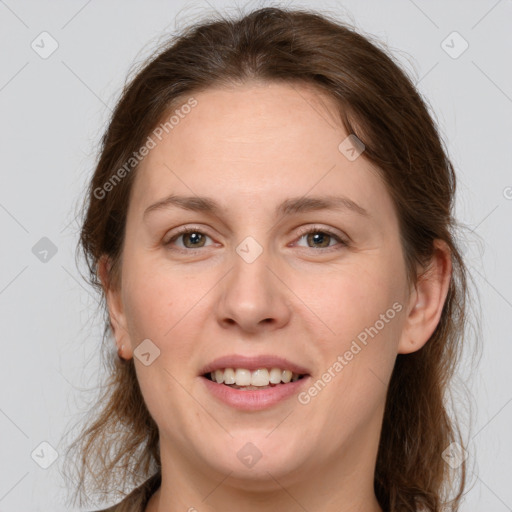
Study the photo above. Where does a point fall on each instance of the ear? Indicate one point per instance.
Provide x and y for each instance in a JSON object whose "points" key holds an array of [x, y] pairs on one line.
{"points": [[427, 300], [115, 309]]}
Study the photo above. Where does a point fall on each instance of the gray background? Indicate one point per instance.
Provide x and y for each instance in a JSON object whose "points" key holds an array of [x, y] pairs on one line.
{"points": [[53, 112]]}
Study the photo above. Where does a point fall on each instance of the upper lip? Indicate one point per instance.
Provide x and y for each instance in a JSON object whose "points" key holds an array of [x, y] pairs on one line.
{"points": [[253, 363]]}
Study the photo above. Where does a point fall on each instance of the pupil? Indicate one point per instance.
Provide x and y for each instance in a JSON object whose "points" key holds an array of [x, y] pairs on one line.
{"points": [[318, 238], [194, 237]]}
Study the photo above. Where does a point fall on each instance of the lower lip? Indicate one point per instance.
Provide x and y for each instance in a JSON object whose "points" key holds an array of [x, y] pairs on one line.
{"points": [[253, 400]]}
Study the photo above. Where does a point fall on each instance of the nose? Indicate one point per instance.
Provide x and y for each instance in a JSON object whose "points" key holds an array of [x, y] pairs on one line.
{"points": [[254, 296]]}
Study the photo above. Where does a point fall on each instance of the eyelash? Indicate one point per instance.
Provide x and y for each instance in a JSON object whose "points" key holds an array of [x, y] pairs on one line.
{"points": [[314, 229]]}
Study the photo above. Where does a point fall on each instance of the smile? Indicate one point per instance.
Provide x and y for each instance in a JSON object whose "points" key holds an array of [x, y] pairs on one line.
{"points": [[251, 397], [262, 378]]}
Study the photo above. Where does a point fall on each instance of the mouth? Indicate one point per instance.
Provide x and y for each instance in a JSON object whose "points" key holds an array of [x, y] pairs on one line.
{"points": [[253, 380]]}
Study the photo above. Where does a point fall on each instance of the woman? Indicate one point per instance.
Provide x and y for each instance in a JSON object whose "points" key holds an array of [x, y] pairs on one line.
{"points": [[270, 222]]}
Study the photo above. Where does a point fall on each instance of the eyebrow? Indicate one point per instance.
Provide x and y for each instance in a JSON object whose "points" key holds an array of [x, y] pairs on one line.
{"points": [[289, 206]]}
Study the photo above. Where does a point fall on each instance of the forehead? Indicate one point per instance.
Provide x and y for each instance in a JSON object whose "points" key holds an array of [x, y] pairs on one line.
{"points": [[256, 119], [270, 140]]}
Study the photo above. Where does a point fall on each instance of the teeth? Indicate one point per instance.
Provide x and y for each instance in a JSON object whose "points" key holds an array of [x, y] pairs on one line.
{"points": [[275, 375], [286, 376], [258, 378], [229, 376], [243, 377]]}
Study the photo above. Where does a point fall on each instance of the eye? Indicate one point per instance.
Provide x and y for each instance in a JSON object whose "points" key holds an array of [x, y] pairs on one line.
{"points": [[322, 236], [193, 238]]}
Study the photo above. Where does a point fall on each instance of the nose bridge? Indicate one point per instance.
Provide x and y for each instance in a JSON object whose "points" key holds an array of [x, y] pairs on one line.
{"points": [[252, 294], [251, 278]]}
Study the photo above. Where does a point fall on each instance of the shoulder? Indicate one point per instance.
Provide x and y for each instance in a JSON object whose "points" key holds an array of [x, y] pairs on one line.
{"points": [[137, 500]]}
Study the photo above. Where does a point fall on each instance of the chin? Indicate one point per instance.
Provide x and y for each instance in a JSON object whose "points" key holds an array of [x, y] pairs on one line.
{"points": [[256, 461]]}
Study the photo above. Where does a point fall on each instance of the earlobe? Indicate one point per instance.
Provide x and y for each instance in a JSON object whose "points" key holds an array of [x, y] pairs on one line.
{"points": [[427, 300], [115, 309]]}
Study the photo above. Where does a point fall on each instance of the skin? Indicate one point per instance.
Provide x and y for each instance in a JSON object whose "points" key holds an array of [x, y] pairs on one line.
{"points": [[250, 147]]}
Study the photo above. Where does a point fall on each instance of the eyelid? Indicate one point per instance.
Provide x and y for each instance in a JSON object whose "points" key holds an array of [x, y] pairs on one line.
{"points": [[186, 229], [322, 229], [343, 239]]}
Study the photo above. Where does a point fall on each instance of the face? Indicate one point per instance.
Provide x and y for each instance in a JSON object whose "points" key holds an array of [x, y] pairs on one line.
{"points": [[249, 281]]}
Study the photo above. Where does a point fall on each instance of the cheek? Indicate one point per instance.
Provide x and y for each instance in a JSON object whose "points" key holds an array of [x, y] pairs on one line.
{"points": [[158, 308], [363, 307], [357, 362], [163, 305], [149, 306], [354, 298], [153, 292]]}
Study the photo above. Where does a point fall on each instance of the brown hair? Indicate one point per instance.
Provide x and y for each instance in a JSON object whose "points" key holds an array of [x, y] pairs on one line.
{"points": [[380, 105]]}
